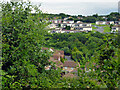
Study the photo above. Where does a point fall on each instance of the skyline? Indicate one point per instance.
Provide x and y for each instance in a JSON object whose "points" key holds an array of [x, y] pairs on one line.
{"points": [[77, 7], [81, 8]]}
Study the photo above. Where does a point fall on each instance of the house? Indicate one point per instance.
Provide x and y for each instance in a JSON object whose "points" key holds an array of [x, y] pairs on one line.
{"points": [[81, 25], [111, 22], [68, 21], [86, 24], [58, 64], [104, 22], [57, 55], [49, 49], [117, 22], [51, 26], [69, 66], [115, 28], [87, 28], [101, 22], [63, 25], [79, 22], [66, 18], [55, 58], [58, 21]]}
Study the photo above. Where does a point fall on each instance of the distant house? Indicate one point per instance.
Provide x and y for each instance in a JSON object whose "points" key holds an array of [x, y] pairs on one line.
{"points": [[104, 22], [115, 28], [66, 18], [87, 28], [68, 21], [101, 22], [111, 22], [86, 25], [82, 25], [58, 21], [55, 58], [69, 66], [58, 64], [51, 26], [63, 25], [79, 22], [58, 55], [49, 49], [117, 22]]}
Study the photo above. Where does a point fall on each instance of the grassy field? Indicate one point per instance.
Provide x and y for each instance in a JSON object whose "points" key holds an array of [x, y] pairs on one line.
{"points": [[93, 28], [93, 23], [106, 28]]}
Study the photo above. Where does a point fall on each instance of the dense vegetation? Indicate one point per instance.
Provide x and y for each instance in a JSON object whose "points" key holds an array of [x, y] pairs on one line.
{"points": [[114, 16], [23, 62]]}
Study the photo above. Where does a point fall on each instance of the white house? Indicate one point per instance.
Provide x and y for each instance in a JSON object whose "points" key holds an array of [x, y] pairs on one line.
{"points": [[63, 25], [87, 28], [115, 28], [101, 22], [86, 24], [111, 22], [52, 26], [58, 21], [68, 21], [83, 28], [79, 22], [104, 22]]}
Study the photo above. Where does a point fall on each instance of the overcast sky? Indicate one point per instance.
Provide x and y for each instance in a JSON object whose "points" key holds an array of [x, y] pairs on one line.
{"points": [[78, 7]]}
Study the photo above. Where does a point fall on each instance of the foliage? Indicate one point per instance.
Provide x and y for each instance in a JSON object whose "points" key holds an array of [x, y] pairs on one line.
{"points": [[23, 35], [106, 29]]}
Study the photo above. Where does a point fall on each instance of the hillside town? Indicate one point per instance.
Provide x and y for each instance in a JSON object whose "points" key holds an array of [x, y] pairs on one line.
{"points": [[70, 26]]}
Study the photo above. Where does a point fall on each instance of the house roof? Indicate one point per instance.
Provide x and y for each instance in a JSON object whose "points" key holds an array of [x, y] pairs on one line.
{"points": [[58, 63], [75, 70], [69, 64]]}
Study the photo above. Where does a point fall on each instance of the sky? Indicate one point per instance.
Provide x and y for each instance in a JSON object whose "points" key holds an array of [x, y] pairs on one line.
{"points": [[77, 7]]}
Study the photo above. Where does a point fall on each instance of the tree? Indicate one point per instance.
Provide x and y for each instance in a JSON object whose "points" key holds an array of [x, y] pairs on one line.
{"points": [[67, 27], [66, 50], [95, 15], [23, 37], [111, 25]]}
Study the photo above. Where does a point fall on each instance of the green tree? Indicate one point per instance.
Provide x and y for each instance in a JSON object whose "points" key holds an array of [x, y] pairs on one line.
{"points": [[67, 27], [23, 37]]}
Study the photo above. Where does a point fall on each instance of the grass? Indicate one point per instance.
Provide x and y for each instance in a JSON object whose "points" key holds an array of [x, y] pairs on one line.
{"points": [[106, 28], [93, 23], [101, 25], [94, 28], [94, 31]]}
